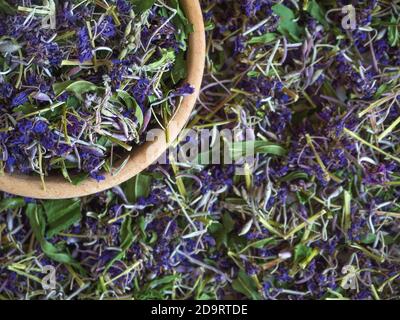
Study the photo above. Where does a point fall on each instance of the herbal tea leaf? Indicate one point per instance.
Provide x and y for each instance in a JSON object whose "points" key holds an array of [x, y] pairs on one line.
{"points": [[242, 148], [131, 103], [246, 285], [168, 56], [61, 214], [11, 203], [6, 8], [127, 237], [142, 185], [60, 87], [80, 87], [38, 223], [287, 24], [316, 11], [179, 72], [264, 39], [393, 32], [301, 252], [141, 6], [138, 186], [182, 23]]}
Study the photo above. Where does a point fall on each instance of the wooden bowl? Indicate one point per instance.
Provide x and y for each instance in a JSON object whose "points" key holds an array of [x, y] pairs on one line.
{"points": [[141, 157]]}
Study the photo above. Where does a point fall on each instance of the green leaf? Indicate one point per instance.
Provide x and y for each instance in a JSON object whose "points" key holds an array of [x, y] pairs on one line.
{"points": [[246, 285], [253, 74], [142, 185], [381, 90], [264, 39], [242, 148], [369, 238], [294, 176], [127, 238], [235, 201], [138, 186], [128, 100], [153, 238], [60, 87], [228, 222], [131, 103], [315, 10], [259, 244], [140, 6], [78, 88], [287, 25], [304, 197], [181, 23], [167, 280], [122, 144], [37, 221], [72, 102], [179, 71], [25, 109], [168, 56], [268, 148], [6, 8], [301, 252], [79, 178], [61, 214], [220, 231], [393, 32], [11, 203]]}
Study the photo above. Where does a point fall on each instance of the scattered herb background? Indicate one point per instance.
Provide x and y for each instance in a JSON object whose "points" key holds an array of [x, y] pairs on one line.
{"points": [[317, 219]]}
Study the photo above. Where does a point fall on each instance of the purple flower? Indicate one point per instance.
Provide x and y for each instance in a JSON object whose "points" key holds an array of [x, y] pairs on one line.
{"points": [[40, 127], [20, 99], [141, 90], [10, 162], [84, 45], [240, 44], [54, 54], [123, 7], [184, 90], [3, 28], [48, 140], [25, 126], [118, 71], [6, 91], [252, 7], [98, 177], [63, 149], [107, 28], [250, 268]]}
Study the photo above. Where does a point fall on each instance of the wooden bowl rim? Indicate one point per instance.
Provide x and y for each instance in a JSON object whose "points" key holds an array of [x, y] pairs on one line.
{"points": [[141, 157]]}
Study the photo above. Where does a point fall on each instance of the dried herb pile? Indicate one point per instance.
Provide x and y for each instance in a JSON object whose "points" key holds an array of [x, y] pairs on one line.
{"points": [[82, 81], [317, 218]]}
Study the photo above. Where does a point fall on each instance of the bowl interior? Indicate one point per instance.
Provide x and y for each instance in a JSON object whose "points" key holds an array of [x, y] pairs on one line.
{"points": [[142, 156]]}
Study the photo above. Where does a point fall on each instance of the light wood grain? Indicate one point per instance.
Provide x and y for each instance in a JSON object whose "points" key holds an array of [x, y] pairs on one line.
{"points": [[141, 157]]}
